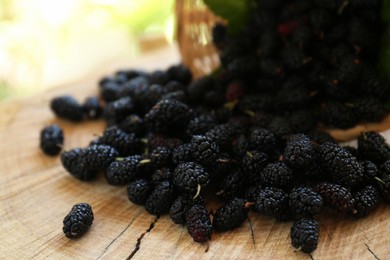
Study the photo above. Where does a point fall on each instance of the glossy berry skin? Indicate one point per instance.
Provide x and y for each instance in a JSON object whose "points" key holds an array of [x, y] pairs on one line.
{"points": [[51, 140], [67, 107], [373, 146], [340, 164], [304, 234], [188, 176], [304, 201], [335, 196], [366, 201], [161, 198], [231, 215], [138, 191], [198, 223], [78, 220]]}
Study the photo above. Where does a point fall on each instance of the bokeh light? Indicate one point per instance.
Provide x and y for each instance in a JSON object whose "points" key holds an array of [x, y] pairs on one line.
{"points": [[46, 43]]}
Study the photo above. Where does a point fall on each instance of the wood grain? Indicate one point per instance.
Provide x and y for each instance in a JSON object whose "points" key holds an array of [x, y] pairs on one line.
{"points": [[36, 193]]}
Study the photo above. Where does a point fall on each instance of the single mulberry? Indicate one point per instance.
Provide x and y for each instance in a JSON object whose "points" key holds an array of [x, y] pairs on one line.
{"points": [[262, 140], [190, 177], [198, 223], [92, 108], [67, 107], [273, 202], [51, 139], [168, 115], [161, 198], [205, 150], [299, 152], [335, 196], [340, 164], [305, 202], [123, 170], [366, 201], [138, 191], [119, 109], [231, 215], [277, 174], [305, 234], [126, 144], [373, 146], [78, 220]]}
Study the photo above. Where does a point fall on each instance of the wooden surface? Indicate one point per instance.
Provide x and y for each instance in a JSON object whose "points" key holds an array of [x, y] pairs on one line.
{"points": [[36, 193]]}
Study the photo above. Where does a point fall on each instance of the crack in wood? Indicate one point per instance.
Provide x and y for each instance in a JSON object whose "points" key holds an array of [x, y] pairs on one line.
{"points": [[372, 252], [118, 236], [139, 239], [252, 232], [365, 236]]}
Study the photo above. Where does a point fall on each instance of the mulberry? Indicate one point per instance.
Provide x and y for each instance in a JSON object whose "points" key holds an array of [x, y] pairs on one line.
{"points": [[190, 178], [138, 191], [78, 220], [304, 234], [51, 140], [340, 164], [67, 107], [373, 146], [335, 196], [305, 202], [198, 223], [205, 150], [298, 152], [231, 215], [161, 198], [366, 201]]}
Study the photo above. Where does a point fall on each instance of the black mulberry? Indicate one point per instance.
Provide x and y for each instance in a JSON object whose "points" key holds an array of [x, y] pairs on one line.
{"points": [[67, 107], [305, 202], [51, 140], [231, 215], [78, 220], [198, 223], [304, 234]]}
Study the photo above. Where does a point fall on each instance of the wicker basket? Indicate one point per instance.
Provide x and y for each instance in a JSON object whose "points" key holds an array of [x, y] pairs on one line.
{"points": [[194, 23]]}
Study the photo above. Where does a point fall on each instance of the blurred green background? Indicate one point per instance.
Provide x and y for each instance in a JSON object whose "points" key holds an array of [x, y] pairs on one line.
{"points": [[46, 43]]}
